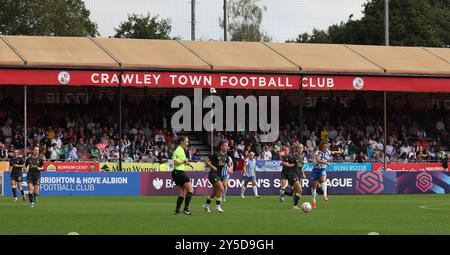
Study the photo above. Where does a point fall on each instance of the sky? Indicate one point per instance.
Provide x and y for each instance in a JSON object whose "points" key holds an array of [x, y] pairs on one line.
{"points": [[283, 19]]}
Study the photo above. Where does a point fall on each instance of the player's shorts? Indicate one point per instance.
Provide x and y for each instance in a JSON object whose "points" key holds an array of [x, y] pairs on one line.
{"points": [[225, 177], [249, 178], [317, 173], [180, 177], [34, 178], [293, 179], [16, 176], [214, 177], [284, 176]]}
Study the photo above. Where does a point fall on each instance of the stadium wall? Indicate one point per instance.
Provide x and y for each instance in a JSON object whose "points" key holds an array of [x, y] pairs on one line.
{"points": [[160, 183]]}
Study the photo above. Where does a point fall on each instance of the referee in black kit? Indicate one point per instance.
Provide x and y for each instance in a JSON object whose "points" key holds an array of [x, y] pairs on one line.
{"points": [[185, 190]]}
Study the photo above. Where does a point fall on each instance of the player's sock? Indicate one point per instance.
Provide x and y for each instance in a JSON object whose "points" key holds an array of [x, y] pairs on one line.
{"points": [[324, 188], [243, 190], [218, 201], [14, 191], [314, 194], [255, 190], [22, 192], [208, 200], [282, 191], [179, 202], [30, 197], [289, 193], [35, 198], [296, 199], [224, 192], [187, 201]]}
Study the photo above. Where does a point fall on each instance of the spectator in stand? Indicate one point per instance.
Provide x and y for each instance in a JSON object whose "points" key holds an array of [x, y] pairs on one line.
{"points": [[160, 139], [196, 156], [360, 158], [405, 149], [57, 140], [370, 129], [241, 146], [284, 137], [3, 153], [267, 155], [126, 157], [17, 141], [169, 137], [54, 152], [421, 134], [413, 129], [352, 150], [73, 155], [6, 130], [90, 145], [258, 149], [50, 134], [96, 153], [324, 134], [332, 134], [411, 157], [370, 152], [72, 136], [39, 135], [442, 154], [151, 157], [114, 155], [445, 162], [390, 150], [64, 152], [421, 154]]}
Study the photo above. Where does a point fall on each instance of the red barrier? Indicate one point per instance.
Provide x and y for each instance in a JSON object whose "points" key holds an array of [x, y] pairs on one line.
{"points": [[408, 167], [71, 166]]}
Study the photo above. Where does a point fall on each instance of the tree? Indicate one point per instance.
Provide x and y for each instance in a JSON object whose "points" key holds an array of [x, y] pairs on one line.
{"points": [[144, 27], [412, 23], [46, 17], [244, 20]]}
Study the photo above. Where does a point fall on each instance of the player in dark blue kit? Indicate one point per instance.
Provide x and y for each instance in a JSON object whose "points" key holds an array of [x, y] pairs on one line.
{"points": [[34, 166], [16, 165]]}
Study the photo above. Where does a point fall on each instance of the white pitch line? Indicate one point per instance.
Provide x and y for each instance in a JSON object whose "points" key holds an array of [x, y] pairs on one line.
{"points": [[428, 207]]}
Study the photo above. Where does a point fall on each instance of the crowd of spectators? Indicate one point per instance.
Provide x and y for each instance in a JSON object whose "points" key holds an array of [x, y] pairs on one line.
{"points": [[83, 134]]}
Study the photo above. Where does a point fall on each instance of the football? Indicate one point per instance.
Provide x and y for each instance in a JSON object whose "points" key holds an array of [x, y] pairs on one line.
{"points": [[306, 207]]}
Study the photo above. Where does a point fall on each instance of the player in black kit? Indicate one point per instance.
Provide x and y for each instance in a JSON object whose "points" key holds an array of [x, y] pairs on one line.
{"points": [[219, 165], [297, 173], [34, 166], [16, 165]]}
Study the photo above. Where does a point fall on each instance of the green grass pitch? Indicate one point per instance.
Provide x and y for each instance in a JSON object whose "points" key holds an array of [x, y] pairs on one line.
{"points": [[353, 214]]}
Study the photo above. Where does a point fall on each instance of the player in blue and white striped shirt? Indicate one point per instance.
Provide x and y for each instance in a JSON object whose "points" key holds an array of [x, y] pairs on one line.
{"points": [[226, 171], [250, 175], [318, 174]]}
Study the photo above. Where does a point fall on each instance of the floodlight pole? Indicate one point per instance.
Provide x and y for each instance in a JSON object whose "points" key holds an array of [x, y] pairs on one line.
{"points": [[120, 121], [212, 116], [192, 20], [225, 37], [25, 131], [386, 22], [386, 37]]}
